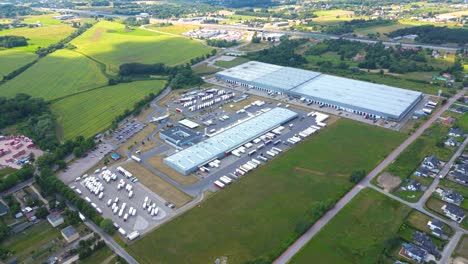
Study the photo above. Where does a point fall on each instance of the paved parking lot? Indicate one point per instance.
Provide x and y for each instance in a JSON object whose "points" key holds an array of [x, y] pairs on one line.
{"points": [[142, 221], [127, 131]]}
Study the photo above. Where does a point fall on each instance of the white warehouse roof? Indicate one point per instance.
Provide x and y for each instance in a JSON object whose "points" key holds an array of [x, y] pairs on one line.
{"points": [[381, 100], [189, 159]]}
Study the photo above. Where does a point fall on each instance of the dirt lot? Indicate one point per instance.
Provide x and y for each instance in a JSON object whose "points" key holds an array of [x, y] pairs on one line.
{"points": [[4, 145], [388, 182], [139, 137], [158, 185], [157, 163]]}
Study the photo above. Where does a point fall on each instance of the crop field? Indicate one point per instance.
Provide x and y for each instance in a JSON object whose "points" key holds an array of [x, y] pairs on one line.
{"points": [[111, 44], [358, 232], [173, 29], [283, 196], [12, 59], [59, 74], [384, 29], [46, 19], [40, 36], [89, 113]]}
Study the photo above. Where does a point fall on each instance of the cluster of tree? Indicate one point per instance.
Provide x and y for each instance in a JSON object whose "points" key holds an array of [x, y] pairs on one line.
{"points": [[26, 172], [13, 204], [57, 153], [242, 3], [434, 35], [210, 21], [132, 21], [88, 246], [12, 41], [183, 76], [107, 226], [19, 108], [221, 43], [50, 186], [168, 10], [357, 176], [282, 54], [100, 3], [62, 44], [201, 58], [40, 128], [12, 11]]}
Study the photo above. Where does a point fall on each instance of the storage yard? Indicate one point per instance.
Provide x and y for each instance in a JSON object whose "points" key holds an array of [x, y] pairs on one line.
{"points": [[367, 99], [16, 150]]}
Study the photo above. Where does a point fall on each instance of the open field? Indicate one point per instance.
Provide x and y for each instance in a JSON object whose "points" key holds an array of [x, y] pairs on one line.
{"points": [[12, 59], [46, 19], [40, 36], [256, 46], [98, 256], [157, 163], [158, 185], [383, 29], [204, 69], [462, 247], [358, 232], [232, 63], [35, 243], [409, 160], [284, 196], [173, 29], [89, 113], [111, 44], [59, 74]]}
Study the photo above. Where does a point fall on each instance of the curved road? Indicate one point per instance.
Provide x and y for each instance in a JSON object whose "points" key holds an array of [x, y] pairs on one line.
{"points": [[304, 239]]}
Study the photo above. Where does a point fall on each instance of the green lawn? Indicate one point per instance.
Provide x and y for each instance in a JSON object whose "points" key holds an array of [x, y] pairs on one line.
{"points": [[462, 122], [109, 43], [419, 221], [232, 63], [34, 244], [46, 19], [358, 232], [91, 112], [59, 74], [260, 215], [12, 59], [98, 256], [6, 171]]}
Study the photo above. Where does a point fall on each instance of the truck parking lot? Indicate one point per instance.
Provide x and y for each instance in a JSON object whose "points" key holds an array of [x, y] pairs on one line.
{"points": [[116, 194]]}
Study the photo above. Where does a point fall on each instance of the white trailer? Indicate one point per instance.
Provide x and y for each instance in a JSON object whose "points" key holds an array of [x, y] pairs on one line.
{"points": [[219, 184], [225, 180], [133, 235]]}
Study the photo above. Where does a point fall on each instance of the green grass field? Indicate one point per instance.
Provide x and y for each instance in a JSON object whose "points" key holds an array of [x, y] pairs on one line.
{"points": [[46, 19], [173, 29], [61, 73], [91, 112], [384, 29], [109, 43], [40, 36], [258, 216], [357, 233], [98, 256], [232, 63], [12, 59]]}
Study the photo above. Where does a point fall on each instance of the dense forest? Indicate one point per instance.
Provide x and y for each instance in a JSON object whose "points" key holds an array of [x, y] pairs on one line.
{"points": [[12, 41], [11, 11], [20, 108], [282, 54], [434, 35], [221, 43]]}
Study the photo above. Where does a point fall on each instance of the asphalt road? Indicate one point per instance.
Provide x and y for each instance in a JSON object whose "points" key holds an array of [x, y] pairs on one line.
{"points": [[304, 239]]}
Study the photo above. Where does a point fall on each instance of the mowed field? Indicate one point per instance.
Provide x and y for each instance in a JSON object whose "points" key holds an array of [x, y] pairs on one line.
{"points": [[111, 44], [358, 232], [88, 113], [260, 215], [61, 73], [12, 59]]}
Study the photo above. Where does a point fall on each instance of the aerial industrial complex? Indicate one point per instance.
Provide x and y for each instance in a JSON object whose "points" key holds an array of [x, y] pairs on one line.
{"points": [[226, 140], [364, 98]]}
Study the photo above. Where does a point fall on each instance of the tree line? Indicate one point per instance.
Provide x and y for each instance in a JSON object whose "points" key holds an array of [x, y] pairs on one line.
{"points": [[12, 41], [62, 44], [434, 35], [283, 54], [221, 43]]}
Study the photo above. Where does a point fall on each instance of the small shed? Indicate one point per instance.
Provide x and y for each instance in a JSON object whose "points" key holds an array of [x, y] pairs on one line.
{"points": [[70, 234]]}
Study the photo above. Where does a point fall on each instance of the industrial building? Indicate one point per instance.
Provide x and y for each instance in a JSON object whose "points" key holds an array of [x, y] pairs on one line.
{"points": [[363, 98], [179, 136], [224, 141]]}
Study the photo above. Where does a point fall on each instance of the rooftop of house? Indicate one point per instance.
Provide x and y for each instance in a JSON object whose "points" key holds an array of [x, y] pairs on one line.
{"points": [[415, 250], [453, 195], [424, 241], [415, 183], [69, 231], [457, 131], [454, 210], [432, 159], [54, 217], [437, 223]]}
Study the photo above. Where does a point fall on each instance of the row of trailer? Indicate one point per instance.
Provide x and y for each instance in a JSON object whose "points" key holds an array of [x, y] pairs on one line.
{"points": [[150, 207]]}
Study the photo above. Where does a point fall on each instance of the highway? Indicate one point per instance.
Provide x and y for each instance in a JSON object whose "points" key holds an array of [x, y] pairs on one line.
{"points": [[366, 182]]}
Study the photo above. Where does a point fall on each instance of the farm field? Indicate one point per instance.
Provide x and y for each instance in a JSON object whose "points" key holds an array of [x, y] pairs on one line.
{"points": [[89, 113], [358, 232], [40, 36], [383, 29], [12, 59], [173, 29], [109, 43], [235, 220], [59, 74]]}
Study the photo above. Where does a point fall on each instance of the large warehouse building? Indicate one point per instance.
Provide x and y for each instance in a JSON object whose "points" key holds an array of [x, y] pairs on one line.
{"points": [[364, 98], [217, 146]]}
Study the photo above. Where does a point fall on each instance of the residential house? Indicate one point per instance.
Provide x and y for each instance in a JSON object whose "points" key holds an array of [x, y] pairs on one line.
{"points": [[456, 132], [436, 226], [3, 209], [70, 234], [55, 219], [422, 171], [453, 212], [452, 196], [449, 121], [463, 168], [451, 142], [460, 177], [422, 240], [431, 162], [414, 186], [414, 252], [463, 159]]}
